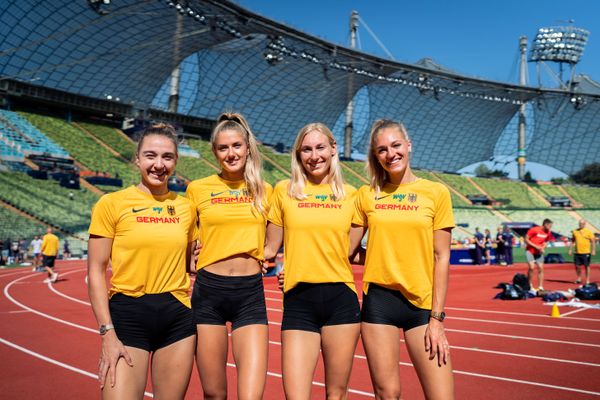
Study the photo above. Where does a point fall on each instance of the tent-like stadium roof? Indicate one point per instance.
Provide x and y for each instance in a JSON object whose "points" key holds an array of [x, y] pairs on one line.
{"points": [[280, 78]]}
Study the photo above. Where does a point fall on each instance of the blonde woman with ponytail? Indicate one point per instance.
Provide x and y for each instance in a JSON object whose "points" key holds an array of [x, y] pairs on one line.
{"points": [[231, 209], [312, 214]]}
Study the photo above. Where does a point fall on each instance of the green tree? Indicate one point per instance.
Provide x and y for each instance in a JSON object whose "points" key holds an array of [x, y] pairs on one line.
{"points": [[589, 174]]}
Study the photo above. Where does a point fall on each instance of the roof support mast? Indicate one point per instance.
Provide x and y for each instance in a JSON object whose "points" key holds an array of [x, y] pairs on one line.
{"points": [[521, 158], [350, 107]]}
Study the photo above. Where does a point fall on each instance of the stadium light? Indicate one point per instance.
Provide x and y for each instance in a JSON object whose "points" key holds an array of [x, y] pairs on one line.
{"points": [[563, 44]]}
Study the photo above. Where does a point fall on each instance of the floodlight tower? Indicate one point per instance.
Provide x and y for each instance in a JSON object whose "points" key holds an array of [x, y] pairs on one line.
{"points": [[350, 107], [560, 44]]}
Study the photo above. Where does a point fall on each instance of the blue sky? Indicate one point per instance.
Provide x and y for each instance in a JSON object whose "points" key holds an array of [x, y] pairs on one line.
{"points": [[477, 38], [472, 37]]}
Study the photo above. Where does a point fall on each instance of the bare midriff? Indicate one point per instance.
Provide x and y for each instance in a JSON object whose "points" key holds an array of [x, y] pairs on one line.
{"points": [[236, 265]]}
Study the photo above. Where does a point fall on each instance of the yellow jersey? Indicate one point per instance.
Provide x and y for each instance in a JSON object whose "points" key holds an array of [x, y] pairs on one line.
{"points": [[50, 245], [582, 239], [150, 238], [401, 220], [229, 222], [315, 234]]}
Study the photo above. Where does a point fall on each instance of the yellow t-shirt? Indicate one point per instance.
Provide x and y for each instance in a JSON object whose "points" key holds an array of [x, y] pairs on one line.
{"points": [[315, 234], [150, 237], [229, 223], [582, 239], [50, 245], [401, 220]]}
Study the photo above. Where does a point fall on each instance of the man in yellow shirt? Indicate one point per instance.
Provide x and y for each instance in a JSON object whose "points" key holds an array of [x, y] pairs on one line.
{"points": [[585, 247], [49, 252]]}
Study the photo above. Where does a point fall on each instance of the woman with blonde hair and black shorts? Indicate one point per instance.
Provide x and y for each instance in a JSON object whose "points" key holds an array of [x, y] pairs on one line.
{"points": [[406, 269], [145, 318], [312, 214], [231, 209]]}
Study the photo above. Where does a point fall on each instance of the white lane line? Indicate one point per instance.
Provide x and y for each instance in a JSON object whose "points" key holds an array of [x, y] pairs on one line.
{"points": [[96, 331], [55, 362], [76, 300], [476, 310], [489, 321], [574, 311], [456, 371], [502, 353], [41, 314], [522, 337]]}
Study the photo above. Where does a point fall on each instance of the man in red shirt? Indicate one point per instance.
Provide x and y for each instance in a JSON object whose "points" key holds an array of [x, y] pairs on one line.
{"points": [[536, 240]]}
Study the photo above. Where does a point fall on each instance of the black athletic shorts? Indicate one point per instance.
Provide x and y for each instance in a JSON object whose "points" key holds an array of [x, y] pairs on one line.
{"points": [[390, 307], [152, 321], [311, 306], [48, 261], [218, 299], [583, 259]]}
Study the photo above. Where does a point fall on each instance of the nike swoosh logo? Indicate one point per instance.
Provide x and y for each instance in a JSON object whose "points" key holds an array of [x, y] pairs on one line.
{"points": [[382, 197], [138, 210], [216, 194]]}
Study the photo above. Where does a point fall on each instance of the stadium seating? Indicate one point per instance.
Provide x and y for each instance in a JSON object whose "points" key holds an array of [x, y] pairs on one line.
{"points": [[14, 226], [547, 190], [592, 216], [112, 138], [564, 223], [477, 217], [193, 168], [16, 131], [48, 201], [10, 152], [461, 184], [510, 193], [585, 195], [456, 200], [83, 148], [282, 160]]}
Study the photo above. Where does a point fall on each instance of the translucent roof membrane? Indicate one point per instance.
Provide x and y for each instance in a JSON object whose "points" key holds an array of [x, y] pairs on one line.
{"points": [[280, 78]]}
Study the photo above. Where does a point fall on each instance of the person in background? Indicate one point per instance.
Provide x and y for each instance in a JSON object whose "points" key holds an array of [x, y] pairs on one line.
{"points": [[407, 267], [66, 250], [536, 239], [479, 246], [499, 247], [508, 239], [584, 243], [36, 246], [488, 247], [50, 246]]}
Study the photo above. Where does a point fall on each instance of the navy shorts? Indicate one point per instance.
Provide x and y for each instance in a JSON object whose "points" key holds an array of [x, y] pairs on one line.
{"points": [[311, 306], [582, 259], [390, 307], [218, 299], [48, 261], [152, 321]]}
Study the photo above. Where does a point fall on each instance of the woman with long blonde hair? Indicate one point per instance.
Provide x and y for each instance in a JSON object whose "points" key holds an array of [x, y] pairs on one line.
{"points": [[406, 269], [231, 207], [312, 213]]}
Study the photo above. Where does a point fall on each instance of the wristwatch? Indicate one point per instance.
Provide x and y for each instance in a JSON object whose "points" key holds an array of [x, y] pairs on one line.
{"points": [[105, 328], [440, 316]]}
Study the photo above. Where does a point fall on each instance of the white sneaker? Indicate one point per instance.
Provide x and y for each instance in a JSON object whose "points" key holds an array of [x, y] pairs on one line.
{"points": [[54, 277], [47, 280], [540, 288]]}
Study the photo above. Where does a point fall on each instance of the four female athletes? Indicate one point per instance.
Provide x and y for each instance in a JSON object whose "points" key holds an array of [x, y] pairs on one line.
{"points": [[320, 221]]}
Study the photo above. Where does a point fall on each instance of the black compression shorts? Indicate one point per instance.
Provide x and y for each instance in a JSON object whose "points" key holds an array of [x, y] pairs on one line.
{"points": [[219, 299], [390, 307], [310, 306], [150, 322]]}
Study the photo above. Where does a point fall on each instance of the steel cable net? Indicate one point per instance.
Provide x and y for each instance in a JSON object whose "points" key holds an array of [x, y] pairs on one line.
{"points": [[280, 78]]}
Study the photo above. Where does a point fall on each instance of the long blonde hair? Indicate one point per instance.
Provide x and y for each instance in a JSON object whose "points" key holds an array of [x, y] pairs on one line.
{"points": [[253, 168], [299, 176], [378, 175]]}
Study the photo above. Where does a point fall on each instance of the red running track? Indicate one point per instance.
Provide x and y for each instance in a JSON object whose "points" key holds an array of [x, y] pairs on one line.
{"points": [[49, 344]]}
